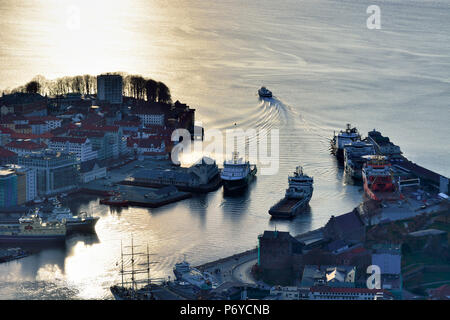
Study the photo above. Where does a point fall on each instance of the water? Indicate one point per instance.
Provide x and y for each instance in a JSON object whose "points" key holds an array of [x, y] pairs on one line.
{"points": [[317, 56]]}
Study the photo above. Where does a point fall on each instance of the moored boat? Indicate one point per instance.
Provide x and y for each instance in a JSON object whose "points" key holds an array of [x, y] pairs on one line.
{"points": [[237, 173], [353, 157], [343, 138], [31, 229]]}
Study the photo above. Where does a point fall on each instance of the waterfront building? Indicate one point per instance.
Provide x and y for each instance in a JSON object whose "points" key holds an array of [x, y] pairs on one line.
{"points": [[55, 172], [197, 175], [277, 251], [8, 188], [26, 182], [333, 293], [109, 88], [81, 147], [92, 170], [348, 227]]}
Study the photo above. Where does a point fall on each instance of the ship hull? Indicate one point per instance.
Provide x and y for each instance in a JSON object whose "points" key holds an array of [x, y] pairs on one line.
{"points": [[239, 184], [87, 226], [32, 239], [288, 208]]}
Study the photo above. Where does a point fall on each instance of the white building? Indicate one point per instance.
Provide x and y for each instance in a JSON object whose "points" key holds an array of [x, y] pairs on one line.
{"points": [[81, 147], [333, 293]]}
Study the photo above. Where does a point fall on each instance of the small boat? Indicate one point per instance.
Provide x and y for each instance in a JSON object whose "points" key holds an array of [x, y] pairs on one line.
{"points": [[115, 200], [264, 92]]}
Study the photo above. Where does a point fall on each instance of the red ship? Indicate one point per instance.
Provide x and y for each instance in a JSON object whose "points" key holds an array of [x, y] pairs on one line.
{"points": [[378, 179]]}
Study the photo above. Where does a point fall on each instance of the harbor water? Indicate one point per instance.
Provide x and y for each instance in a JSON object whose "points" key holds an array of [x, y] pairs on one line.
{"points": [[324, 67]]}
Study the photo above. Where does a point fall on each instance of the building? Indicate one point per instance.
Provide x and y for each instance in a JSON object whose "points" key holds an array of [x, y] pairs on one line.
{"points": [[151, 113], [276, 251], [348, 227], [440, 293], [197, 175], [7, 156], [110, 88], [8, 188], [332, 276], [55, 172], [332, 293], [81, 147], [91, 170], [24, 147]]}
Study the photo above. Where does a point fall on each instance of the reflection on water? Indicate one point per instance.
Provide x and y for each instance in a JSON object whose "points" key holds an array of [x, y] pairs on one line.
{"points": [[324, 69]]}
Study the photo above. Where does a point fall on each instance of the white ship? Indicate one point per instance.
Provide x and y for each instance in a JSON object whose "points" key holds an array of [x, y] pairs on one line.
{"points": [[237, 173], [343, 138], [32, 230], [354, 157]]}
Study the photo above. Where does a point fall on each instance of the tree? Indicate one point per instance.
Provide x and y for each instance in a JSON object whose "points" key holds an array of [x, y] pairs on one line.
{"points": [[32, 87], [151, 89], [164, 93]]}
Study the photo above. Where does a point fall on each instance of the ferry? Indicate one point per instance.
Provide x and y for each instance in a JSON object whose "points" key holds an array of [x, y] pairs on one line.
{"points": [[343, 138], [297, 196], [353, 157], [237, 173], [264, 92], [32, 230], [378, 179]]}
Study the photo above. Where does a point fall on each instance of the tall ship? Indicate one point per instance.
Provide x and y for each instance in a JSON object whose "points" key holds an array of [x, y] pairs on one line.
{"points": [[237, 173], [264, 92], [354, 157], [31, 229], [297, 196], [378, 179], [134, 288], [343, 138]]}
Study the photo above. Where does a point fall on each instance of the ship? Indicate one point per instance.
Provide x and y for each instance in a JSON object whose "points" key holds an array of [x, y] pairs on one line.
{"points": [[343, 138], [115, 200], [353, 157], [136, 289], [237, 173], [297, 196], [264, 92], [31, 229], [378, 179], [185, 273], [383, 145], [82, 223]]}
